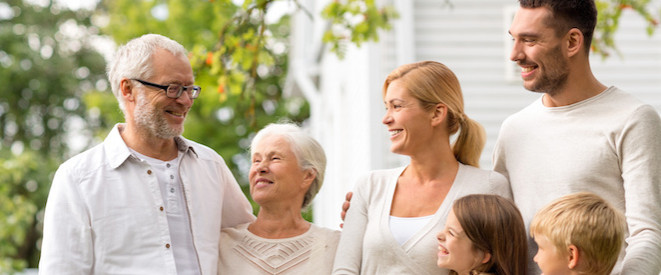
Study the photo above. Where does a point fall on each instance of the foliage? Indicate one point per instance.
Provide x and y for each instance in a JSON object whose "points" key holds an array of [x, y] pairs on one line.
{"points": [[608, 21], [42, 82], [24, 189], [46, 65], [357, 21]]}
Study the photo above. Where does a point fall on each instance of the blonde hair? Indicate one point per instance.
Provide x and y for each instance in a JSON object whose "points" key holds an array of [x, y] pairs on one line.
{"points": [[587, 221], [431, 83]]}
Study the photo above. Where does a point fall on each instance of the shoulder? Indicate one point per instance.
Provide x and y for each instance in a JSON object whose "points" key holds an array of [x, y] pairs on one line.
{"points": [[86, 162], [234, 232], [523, 115], [624, 110], [378, 179], [327, 232], [488, 180], [474, 173], [383, 174], [202, 151], [326, 237]]}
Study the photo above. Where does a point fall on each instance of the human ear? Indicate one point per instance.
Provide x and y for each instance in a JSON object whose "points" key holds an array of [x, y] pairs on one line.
{"points": [[486, 258], [308, 178], [439, 114], [573, 256], [575, 41], [126, 88]]}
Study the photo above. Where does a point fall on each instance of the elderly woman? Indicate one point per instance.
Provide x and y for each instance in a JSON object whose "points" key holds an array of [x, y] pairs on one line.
{"points": [[286, 173], [396, 213]]}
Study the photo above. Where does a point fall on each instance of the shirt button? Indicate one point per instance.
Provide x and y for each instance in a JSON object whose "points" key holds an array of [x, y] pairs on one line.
{"points": [[161, 208], [168, 165], [167, 245], [148, 172], [171, 176], [171, 190]]}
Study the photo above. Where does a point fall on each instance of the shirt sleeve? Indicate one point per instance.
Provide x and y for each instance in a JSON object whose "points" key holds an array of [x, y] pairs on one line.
{"points": [[348, 257], [640, 154], [236, 207], [67, 241], [499, 157]]}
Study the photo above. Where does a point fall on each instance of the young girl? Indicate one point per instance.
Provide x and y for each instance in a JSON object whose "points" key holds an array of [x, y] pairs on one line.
{"points": [[484, 234]]}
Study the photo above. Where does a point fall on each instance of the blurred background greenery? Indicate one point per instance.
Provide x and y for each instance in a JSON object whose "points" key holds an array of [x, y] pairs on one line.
{"points": [[55, 100]]}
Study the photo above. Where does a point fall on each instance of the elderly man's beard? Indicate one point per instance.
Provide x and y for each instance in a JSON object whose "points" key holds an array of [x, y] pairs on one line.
{"points": [[152, 119]]}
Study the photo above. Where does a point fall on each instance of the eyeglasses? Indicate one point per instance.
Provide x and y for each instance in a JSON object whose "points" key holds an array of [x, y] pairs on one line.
{"points": [[174, 90]]}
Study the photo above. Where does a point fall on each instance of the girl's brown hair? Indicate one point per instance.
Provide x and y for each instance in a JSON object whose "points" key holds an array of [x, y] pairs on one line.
{"points": [[494, 225]]}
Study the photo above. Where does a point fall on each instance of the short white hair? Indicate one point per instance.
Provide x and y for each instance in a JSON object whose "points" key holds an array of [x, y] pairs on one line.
{"points": [[133, 60], [308, 152]]}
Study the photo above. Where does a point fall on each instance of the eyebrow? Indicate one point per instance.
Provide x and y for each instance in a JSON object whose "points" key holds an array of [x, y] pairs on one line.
{"points": [[270, 153], [526, 34], [393, 100]]}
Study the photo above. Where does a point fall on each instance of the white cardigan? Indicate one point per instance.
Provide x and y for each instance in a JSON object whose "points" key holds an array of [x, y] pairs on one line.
{"points": [[368, 247]]}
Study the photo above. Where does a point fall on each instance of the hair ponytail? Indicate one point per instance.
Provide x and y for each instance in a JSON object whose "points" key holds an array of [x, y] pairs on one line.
{"points": [[431, 83], [470, 142]]}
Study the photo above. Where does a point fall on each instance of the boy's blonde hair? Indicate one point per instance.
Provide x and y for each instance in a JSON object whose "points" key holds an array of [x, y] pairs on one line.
{"points": [[586, 221]]}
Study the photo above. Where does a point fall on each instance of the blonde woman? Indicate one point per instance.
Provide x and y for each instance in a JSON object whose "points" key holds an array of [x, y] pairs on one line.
{"points": [[395, 214]]}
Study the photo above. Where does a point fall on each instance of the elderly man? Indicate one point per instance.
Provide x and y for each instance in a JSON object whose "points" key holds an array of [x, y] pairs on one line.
{"points": [[146, 200], [580, 135]]}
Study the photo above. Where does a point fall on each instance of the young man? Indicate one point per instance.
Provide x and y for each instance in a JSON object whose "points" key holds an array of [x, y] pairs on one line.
{"points": [[146, 200], [580, 135], [579, 233]]}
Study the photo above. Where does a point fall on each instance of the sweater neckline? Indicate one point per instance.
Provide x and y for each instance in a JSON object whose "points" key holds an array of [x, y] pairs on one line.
{"points": [[579, 104]]}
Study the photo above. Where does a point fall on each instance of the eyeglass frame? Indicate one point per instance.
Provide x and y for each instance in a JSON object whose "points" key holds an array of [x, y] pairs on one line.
{"points": [[192, 95]]}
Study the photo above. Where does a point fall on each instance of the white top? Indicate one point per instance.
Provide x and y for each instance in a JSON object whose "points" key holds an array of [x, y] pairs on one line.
{"points": [[610, 145], [167, 174], [367, 245], [403, 228], [105, 213], [242, 252]]}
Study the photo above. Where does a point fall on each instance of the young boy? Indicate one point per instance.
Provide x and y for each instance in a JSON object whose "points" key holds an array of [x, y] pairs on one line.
{"points": [[579, 233]]}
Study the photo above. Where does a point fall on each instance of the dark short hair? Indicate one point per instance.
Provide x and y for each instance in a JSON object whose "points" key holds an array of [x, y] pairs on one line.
{"points": [[568, 14]]}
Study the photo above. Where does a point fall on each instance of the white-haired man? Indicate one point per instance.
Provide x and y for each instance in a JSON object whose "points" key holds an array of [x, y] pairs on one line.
{"points": [[146, 200]]}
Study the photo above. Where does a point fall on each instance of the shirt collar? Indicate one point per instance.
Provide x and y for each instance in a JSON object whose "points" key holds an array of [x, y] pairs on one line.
{"points": [[118, 151]]}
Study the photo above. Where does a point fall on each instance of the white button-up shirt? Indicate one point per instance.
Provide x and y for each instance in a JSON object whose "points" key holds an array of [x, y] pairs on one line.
{"points": [[105, 213]]}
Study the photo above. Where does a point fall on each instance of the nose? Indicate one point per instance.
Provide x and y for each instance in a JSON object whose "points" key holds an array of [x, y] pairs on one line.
{"points": [[261, 167], [536, 255], [185, 99], [516, 54], [387, 118], [441, 236]]}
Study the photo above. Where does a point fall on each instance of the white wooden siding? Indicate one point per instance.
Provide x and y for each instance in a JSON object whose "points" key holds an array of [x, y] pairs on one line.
{"points": [[471, 38]]}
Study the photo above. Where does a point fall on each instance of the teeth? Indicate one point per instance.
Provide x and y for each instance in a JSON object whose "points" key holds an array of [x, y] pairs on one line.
{"points": [[394, 132], [526, 69]]}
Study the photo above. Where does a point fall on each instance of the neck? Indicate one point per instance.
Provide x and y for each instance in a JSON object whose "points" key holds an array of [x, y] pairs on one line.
{"points": [[581, 85], [278, 223], [433, 164], [144, 143]]}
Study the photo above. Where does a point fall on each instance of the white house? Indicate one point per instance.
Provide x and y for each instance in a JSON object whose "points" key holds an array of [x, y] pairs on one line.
{"points": [[469, 36]]}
